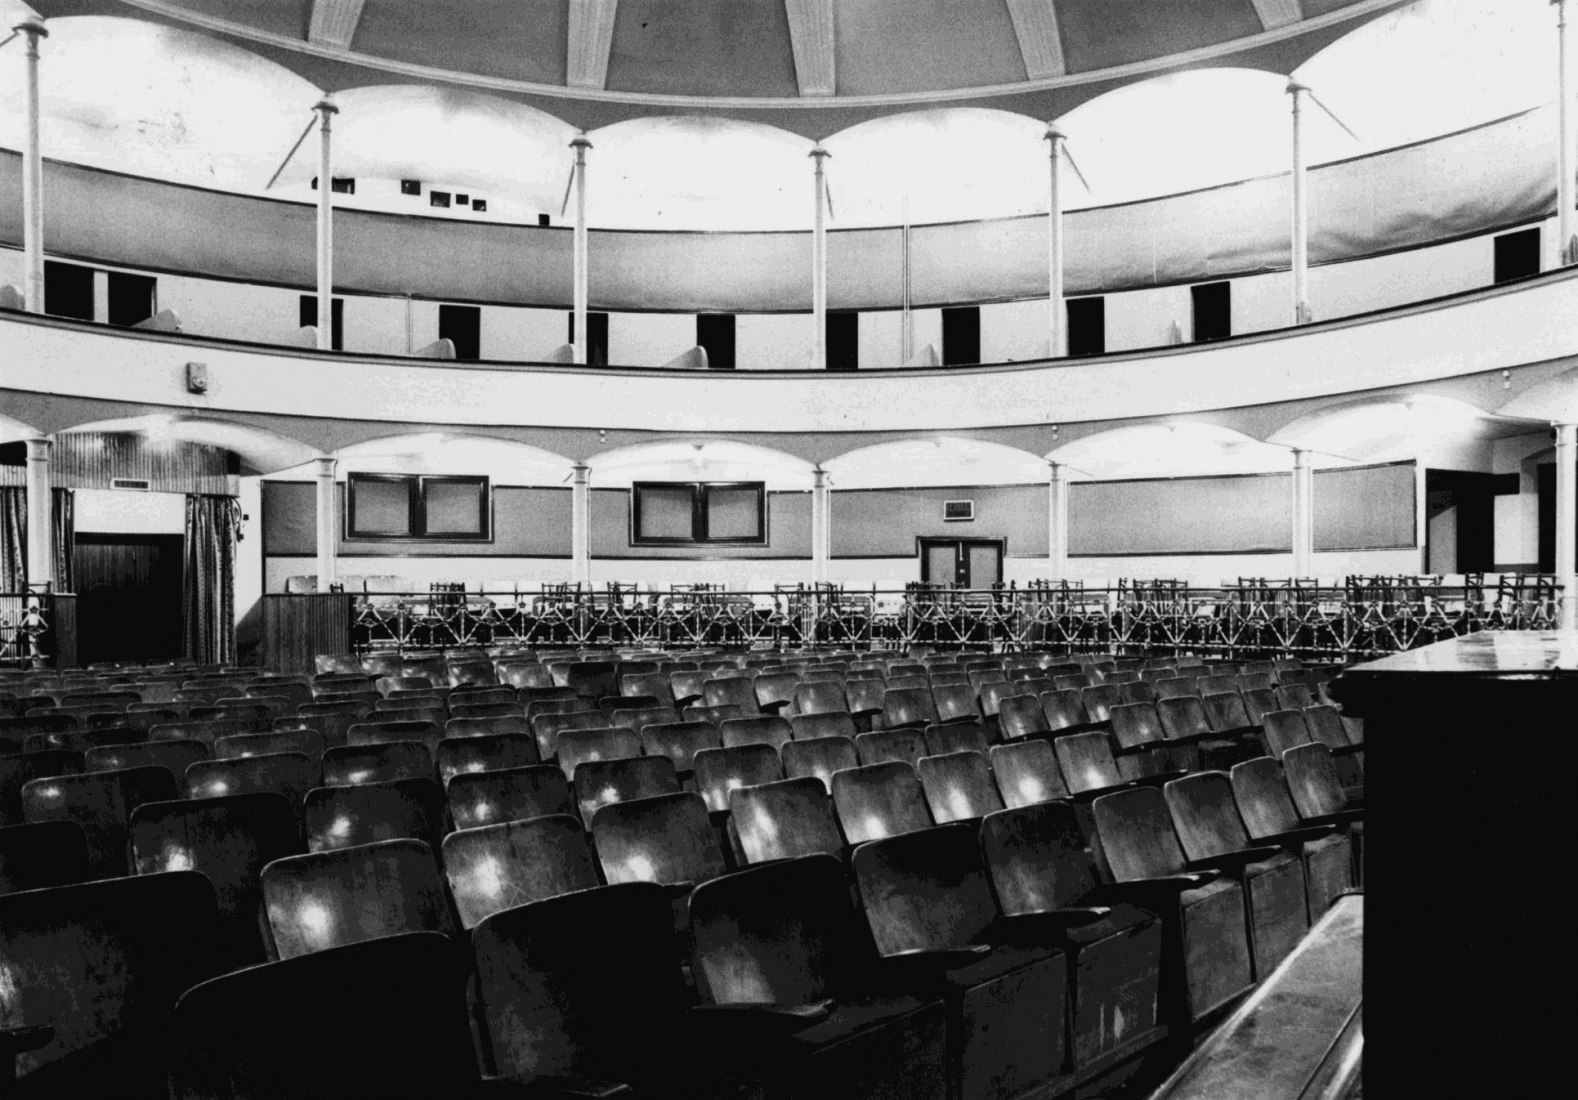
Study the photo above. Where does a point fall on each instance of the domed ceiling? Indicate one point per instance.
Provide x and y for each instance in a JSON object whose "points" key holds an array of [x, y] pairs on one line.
{"points": [[810, 66]]}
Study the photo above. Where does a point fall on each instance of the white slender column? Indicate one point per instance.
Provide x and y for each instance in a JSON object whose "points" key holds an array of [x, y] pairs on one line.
{"points": [[1567, 522], [581, 343], [40, 519], [819, 157], [1301, 212], [1567, 154], [32, 177], [328, 527], [820, 513], [1057, 522], [1057, 318], [326, 111], [1303, 515], [581, 525]]}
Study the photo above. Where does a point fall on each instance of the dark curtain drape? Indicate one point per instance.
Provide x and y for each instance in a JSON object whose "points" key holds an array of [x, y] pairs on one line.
{"points": [[208, 594], [13, 537]]}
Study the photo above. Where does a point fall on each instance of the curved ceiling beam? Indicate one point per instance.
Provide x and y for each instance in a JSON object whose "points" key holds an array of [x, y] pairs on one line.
{"points": [[1278, 13], [1040, 44], [334, 22], [591, 39], [811, 34]]}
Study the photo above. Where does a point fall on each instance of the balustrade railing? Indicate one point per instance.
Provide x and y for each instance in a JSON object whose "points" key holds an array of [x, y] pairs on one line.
{"points": [[36, 628], [1359, 619]]}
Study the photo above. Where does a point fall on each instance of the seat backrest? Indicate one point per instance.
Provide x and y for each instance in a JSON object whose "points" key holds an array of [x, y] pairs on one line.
{"points": [[340, 817], [907, 706], [881, 746], [1182, 716], [776, 690], [495, 867], [172, 755], [761, 730], [992, 690], [101, 803], [595, 973], [955, 702], [1313, 782], [1037, 859], [739, 691], [489, 752], [719, 771], [549, 727], [819, 757], [103, 963], [230, 840], [523, 674], [1063, 709], [1283, 730], [593, 679], [1216, 684], [667, 839], [1326, 726], [925, 890], [207, 730], [1261, 791], [879, 800], [351, 765], [599, 783], [1027, 773], [44, 854], [653, 684], [955, 737], [680, 741], [1099, 700], [512, 794], [958, 786], [579, 746], [1021, 716], [865, 696], [807, 727], [291, 774], [785, 933], [348, 1021], [462, 709], [820, 697], [1139, 691], [309, 743], [1137, 835], [1257, 701], [1205, 815], [785, 819], [1225, 711], [361, 892], [1136, 725], [1086, 762], [717, 715], [1295, 696]]}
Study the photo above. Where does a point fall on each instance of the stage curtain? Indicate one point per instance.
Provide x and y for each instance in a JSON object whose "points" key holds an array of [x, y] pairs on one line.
{"points": [[208, 587], [63, 537], [13, 538]]}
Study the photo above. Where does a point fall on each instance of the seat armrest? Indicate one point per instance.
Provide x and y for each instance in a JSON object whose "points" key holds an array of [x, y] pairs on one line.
{"points": [[1235, 862], [552, 1088], [1339, 820], [792, 1016], [1346, 750], [20, 1040], [1295, 838], [937, 960], [1141, 889], [1162, 779], [1035, 925]]}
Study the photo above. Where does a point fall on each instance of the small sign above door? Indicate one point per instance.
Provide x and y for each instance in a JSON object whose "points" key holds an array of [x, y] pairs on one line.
{"points": [[955, 511]]}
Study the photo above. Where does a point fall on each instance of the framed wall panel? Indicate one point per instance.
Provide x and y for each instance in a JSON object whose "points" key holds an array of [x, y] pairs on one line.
{"points": [[1203, 515]]}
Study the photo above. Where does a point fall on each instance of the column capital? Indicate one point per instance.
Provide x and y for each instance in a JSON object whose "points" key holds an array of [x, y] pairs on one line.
{"points": [[33, 27], [818, 477], [1301, 457], [580, 143], [1054, 136], [1294, 88], [582, 472], [326, 465], [326, 107], [819, 154], [38, 447], [1057, 471]]}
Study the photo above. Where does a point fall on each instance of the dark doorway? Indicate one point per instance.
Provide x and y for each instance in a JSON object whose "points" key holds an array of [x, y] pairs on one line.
{"points": [[128, 597], [1460, 521], [1545, 474], [961, 335], [965, 563]]}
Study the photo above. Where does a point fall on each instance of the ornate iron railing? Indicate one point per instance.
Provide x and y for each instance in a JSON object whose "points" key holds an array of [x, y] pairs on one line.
{"points": [[27, 628], [1362, 618]]}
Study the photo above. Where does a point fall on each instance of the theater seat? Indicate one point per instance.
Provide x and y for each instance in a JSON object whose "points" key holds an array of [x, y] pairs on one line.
{"points": [[958, 786], [600, 783], [512, 794], [884, 746], [720, 771], [1027, 773], [879, 800], [1211, 832], [933, 919], [667, 839], [487, 752], [820, 757], [380, 1018], [1208, 955], [339, 817], [785, 819], [1261, 794], [497, 867], [327, 899], [353, 765], [291, 774], [1039, 868], [783, 938], [101, 803]]}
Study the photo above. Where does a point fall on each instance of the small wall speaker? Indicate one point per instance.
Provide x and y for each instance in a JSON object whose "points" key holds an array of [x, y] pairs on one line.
{"points": [[197, 377]]}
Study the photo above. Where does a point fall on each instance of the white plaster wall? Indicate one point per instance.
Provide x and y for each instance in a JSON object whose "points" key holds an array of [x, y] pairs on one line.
{"points": [[249, 564], [650, 339], [1013, 331], [1143, 318], [927, 326], [880, 339], [1337, 290], [122, 512], [531, 334], [1518, 517], [236, 311], [774, 341]]}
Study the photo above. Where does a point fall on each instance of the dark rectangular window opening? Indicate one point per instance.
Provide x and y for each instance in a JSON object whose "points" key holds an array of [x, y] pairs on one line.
{"points": [[133, 298], [544, 220], [68, 290], [1087, 326], [410, 187], [1213, 310], [680, 513], [715, 334], [438, 198], [462, 326], [596, 337], [410, 506], [479, 205], [309, 316], [1518, 254], [843, 340], [462, 200], [961, 335]]}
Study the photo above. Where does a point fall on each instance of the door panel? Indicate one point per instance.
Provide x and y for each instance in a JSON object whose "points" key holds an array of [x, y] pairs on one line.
{"points": [[984, 564], [967, 563], [940, 563]]}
